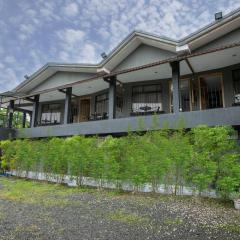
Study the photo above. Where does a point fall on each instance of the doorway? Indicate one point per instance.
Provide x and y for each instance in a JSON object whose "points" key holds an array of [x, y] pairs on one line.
{"points": [[84, 110], [211, 91]]}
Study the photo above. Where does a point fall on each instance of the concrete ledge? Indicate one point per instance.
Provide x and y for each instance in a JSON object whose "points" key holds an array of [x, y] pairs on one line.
{"points": [[212, 117], [6, 133]]}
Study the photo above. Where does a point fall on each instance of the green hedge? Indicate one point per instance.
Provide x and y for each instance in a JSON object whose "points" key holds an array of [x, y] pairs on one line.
{"points": [[203, 158]]}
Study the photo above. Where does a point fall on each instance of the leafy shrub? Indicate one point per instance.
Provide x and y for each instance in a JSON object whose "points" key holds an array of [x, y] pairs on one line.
{"points": [[204, 158]]}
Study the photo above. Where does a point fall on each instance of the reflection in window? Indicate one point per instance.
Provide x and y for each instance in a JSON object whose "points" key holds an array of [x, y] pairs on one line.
{"points": [[147, 98], [51, 114]]}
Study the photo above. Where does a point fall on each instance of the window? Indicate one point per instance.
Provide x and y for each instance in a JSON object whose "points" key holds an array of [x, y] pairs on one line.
{"points": [[101, 105], [147, 98], [51, 114], [236, 85]]}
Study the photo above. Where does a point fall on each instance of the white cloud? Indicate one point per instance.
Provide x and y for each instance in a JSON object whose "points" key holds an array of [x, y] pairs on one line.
{"points": [[9, 79], [10, 59], [88, 54], [1, 51], [26, 31], [64, 56], [71, 37], [71, 9], [76, 47], [48, 10], [79, 30]]}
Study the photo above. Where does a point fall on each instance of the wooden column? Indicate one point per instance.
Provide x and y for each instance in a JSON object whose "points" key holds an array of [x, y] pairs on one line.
{"points": [[67, 108], [35, 111], [112, 96], [175, 83], [10, 112]]}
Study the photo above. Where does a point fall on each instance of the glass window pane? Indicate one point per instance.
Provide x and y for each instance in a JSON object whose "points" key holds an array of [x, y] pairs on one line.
{"points": [[147, 98]]}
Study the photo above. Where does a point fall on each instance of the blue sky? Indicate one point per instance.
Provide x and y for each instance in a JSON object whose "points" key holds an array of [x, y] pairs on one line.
{"points": [[33, 32]]}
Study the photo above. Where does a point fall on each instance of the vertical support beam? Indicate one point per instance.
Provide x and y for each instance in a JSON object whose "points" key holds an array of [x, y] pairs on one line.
{"points": [[35, 111], [24, 119], [175, 82], [112, 97], [67, 108], [10, 114], [30, 119]]}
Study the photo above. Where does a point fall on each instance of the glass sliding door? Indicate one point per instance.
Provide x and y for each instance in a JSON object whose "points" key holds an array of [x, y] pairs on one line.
{"points": [[185, 95], [211, 91]]}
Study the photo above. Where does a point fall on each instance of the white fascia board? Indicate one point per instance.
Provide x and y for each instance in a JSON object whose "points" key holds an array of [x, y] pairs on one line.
{"points": [[103, 69], [183, 49]]}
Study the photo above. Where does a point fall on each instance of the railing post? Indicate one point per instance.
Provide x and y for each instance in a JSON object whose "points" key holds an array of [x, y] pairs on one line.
{"points": [[175, 83], [10, 112], [112, 98], [67, 108], [35, 111]]}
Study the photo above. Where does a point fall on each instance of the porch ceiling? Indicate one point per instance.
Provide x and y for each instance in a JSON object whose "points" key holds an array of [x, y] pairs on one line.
{"points": [[82, 89], [215, 60], [199, 63], [162, 71]]}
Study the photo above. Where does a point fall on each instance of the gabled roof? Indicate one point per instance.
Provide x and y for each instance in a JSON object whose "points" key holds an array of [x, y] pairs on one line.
{"points": [[195, 40], [51, 68]]}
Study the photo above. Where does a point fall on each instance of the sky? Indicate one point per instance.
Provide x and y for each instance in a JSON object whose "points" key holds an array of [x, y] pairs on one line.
{"points": [[34, 32]]}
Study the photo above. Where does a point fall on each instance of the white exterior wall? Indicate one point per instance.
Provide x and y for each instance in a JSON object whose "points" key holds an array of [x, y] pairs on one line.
{"points": [[144, 54]]}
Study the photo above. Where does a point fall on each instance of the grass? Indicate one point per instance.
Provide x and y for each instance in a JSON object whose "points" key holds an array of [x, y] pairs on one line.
{"points": [[50, 194], [174, 221], [30, 191], [33, 192], [230, 227], [44, 193], [126, 217]]}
